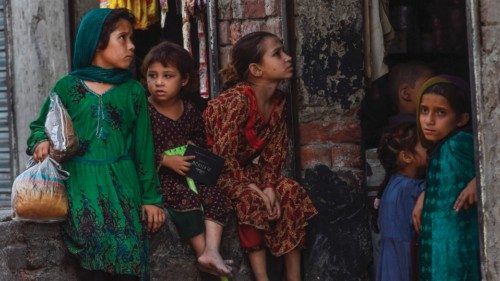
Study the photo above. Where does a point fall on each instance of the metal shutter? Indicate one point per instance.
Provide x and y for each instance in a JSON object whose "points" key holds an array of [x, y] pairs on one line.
{"points": [[6, 176]]}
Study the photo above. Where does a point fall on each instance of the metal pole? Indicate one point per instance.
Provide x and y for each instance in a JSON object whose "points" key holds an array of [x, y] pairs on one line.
{"points": [[213, 47]]}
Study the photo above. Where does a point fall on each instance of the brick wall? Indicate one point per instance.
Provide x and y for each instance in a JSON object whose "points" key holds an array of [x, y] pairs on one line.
{"points": [[240, 17]]}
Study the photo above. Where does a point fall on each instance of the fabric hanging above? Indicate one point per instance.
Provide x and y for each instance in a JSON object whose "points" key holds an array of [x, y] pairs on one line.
{"points": [[143, 10]]}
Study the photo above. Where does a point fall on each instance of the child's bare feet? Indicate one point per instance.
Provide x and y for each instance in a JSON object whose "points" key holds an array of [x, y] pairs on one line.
{"points": [[212, 262]]}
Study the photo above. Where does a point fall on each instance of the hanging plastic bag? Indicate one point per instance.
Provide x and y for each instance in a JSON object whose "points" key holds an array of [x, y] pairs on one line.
{"points": [[60, 131], [39, 194]]}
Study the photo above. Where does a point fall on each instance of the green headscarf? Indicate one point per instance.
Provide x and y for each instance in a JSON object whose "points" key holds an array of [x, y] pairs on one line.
{"points": [[86, 41]]}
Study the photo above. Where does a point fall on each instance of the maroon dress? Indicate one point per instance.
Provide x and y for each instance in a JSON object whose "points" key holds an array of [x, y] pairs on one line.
{"points": [[255, 151], [167, 134]]}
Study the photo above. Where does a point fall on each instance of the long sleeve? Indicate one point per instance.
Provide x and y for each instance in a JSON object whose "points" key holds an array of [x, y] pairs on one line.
{"points": [[274, 154], [143, 150], [225, 120], [37, 128]]}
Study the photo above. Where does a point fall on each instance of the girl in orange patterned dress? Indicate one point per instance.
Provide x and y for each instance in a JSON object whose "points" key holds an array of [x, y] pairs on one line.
{"points": [[247, 126]]}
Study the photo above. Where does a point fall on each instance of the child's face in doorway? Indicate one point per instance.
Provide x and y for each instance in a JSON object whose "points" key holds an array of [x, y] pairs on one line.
{"points": [[164, 82], [119, 52], [437, 118]]}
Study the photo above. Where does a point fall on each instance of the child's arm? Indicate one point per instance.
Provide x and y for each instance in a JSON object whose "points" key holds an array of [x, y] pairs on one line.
{"points": [[38, 145], [273, 155], [467, 197], [143, 152], [417, 212], [226, 133]]}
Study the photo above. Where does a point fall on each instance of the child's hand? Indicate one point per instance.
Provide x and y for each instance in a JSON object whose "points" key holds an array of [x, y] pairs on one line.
{"points": [[273, 209], [467, 197], [178, 164], [275, 204], [154, 215], [41, 151], [417, 212]]}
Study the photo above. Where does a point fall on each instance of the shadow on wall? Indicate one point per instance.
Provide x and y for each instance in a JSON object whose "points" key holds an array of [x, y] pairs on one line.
{"points": [[339, 242]]}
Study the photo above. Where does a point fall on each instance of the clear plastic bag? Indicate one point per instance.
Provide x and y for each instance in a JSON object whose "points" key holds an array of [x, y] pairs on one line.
{"points": [[39, 194], [60, 131]]}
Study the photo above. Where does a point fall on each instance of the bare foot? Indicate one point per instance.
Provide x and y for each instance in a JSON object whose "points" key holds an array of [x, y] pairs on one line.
{"points": [[213, 262]]}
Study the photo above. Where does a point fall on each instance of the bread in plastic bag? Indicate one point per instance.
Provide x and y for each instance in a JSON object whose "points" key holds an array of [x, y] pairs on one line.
{"points": [[60, 131], [39, 194]]}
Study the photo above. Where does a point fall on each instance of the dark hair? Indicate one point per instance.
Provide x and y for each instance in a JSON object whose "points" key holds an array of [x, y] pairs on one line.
{"points": [[173, 55], [110, 23], [403, 137], [405, 73], [457, 96], [246, 51]]}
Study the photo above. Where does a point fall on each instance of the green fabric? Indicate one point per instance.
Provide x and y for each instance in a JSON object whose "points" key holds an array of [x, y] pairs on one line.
{"points": [[86, 41], [188, 224], [449, 240], [112, 176]]}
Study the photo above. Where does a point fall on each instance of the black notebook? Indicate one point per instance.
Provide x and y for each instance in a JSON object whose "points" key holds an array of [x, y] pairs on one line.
{"points": [[206, 167]]}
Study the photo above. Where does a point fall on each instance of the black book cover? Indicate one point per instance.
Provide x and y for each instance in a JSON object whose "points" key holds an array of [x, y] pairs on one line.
{"points": [[206, 167]]}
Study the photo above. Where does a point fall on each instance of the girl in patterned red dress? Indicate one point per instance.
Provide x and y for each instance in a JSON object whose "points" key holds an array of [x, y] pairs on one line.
{"points": [[247, 126], [172, 83]]}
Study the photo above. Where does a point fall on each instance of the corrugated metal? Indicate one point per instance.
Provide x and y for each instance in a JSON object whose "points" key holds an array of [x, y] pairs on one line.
{"points": [[5, 119]]}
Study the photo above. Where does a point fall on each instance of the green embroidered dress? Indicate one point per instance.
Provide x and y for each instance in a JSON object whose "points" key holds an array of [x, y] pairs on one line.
{"points": [[112, 176], [449, 240]]}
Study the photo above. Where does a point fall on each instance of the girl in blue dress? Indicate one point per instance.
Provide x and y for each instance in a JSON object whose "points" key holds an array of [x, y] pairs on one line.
{"points": [[404, 157]]}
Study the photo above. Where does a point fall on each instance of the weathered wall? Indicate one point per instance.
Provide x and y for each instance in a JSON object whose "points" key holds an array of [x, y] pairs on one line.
{"points": [[35, 252], [487, 69], [330, 88], [38, 45]]}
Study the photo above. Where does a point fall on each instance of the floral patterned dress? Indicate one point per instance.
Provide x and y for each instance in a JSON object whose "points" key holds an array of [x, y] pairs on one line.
{"points": [[169, 134], [255, 151], [110, 179]]}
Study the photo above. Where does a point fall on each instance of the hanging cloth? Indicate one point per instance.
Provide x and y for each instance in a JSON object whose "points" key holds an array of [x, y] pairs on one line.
{"points": [[203, 60], [163, 12], [143, 10], [186, 26], [378, 34]]}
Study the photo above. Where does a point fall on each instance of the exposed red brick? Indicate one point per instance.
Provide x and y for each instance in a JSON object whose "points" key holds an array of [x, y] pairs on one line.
{"points": [[224, 33], [329, 132], [250, 26], [311, 156], [225, 55], [273, 25], [253, 9], [225, 10], [234, 32], [273, 7], [346, 155]]}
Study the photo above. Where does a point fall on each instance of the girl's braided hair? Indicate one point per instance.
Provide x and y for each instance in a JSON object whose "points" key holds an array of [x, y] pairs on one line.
{"points": [[400, 138]]}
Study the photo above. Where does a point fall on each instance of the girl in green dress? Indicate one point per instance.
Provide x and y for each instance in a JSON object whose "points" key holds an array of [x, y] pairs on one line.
{"points": [[449, 238], [112, 184]]}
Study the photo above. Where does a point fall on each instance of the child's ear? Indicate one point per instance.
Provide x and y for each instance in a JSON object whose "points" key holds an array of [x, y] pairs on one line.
{"points": [[255, 70], [463, 119], [405, 157], [404, 92], [185, 81]]}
